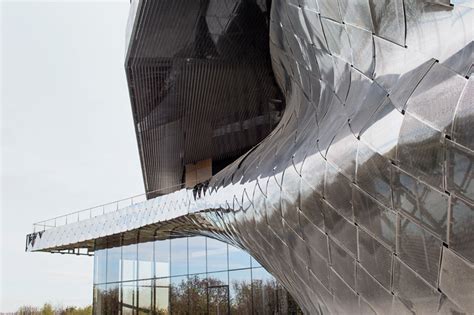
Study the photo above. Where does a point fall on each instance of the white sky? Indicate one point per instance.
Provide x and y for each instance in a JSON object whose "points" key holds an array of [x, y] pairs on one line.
{"points": [[67, 136]]}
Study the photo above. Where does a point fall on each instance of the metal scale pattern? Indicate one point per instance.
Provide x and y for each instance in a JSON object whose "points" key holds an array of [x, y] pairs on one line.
{"points": [[361, 199]]}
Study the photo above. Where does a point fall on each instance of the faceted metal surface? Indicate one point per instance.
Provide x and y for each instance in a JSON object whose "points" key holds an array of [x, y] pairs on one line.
{"points": [[361, 199]]}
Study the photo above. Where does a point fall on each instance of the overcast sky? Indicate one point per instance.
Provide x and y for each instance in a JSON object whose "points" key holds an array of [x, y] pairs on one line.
{"points": [[67, 136]]}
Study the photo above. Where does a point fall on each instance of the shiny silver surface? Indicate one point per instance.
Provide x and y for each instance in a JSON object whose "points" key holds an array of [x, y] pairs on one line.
{"points": [[361, 199]]}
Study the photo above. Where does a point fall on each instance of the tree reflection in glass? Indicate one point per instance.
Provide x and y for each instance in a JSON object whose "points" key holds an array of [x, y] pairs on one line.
{"points": [[197, 291], [240, 291], [112, 299], [218, 293], [179, 295]]}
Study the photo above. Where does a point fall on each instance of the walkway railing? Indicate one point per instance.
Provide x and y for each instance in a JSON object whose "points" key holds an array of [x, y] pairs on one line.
{"points": [[95, 211]]}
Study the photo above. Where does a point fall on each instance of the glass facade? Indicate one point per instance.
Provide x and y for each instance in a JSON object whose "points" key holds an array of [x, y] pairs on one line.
{"points": [[189, 275]]}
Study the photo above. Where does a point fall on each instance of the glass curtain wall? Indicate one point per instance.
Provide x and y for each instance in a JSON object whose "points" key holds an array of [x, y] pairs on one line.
{"points": [[189, 275]]}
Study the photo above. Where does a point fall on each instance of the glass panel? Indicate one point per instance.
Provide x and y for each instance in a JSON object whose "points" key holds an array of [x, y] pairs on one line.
{"points": [[238, 259], [129, 262], [112, 299], [99, 299], [240, 292], [129, 298], [162, 296], [218, 300], [197, 254], [264, 292], [179, 256], [255, 263], [113, 264], [218, 292], [197, 286], [100, 263], [145, 289], [162, 258], [216, 255], [179, 295], [145, 260], [218, 279]]}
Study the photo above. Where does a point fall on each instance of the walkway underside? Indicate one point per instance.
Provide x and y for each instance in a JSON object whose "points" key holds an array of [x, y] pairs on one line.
{"points": [[361, 199]]}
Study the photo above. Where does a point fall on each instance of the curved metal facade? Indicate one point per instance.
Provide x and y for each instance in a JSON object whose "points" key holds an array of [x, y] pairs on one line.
{"points": [[361, 199]]}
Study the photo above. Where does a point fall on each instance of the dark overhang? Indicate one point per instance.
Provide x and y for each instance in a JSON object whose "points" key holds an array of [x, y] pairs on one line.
{"points": [[201, 84]]}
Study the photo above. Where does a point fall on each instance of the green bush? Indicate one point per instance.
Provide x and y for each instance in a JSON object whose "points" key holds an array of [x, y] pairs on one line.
{"points": [[48, 309]]}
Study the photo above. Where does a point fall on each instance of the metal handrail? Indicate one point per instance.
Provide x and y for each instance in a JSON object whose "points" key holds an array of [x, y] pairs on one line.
{"points": [[53, 222]]}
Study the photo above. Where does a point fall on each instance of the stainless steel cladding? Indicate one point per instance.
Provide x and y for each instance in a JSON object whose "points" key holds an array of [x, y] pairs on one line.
{"points": [[361, 199]]}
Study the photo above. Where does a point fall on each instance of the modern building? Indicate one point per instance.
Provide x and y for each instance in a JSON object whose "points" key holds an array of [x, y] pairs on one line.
{"points": [[298, 156], [200, 100]]}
